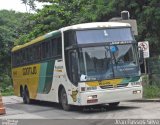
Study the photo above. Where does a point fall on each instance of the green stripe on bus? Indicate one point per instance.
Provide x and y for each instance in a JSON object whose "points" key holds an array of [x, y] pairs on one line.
{"points": [[132, 79], [42, 74], [49, 76], [46, 76]]}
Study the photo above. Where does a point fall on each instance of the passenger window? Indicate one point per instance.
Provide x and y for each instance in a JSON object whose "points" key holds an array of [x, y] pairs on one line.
{"points": [[74, 67]]}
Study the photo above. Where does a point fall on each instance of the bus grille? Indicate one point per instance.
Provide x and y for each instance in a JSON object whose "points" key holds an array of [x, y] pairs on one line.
{"points": [[114, 86]]}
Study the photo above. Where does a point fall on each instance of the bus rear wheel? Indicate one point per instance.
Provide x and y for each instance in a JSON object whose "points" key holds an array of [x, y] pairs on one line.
{"points": [[26, 99], [64, 100]]}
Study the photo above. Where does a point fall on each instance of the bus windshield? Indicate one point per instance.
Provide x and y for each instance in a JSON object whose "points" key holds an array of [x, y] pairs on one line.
{"points": [[125, 60], [99, 63], [104, 35]]}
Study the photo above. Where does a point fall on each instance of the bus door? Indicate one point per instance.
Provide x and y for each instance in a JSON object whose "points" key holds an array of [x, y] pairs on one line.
{"points": [[73, 73], [73, 67]]}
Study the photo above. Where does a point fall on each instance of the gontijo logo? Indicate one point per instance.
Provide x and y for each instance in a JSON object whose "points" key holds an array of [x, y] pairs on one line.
{"points": [[29, 70]]}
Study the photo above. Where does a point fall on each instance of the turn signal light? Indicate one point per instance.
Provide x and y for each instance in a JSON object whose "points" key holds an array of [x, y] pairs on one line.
{"points": [[82, 89]]}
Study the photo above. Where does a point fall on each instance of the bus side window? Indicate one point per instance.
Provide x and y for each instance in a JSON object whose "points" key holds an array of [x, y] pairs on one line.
{"points": [[23, 57], [15, 58], [59, 47], [74, 67], [48, 49], [43, 50], [34, 53], [18, 58], [38, 52], [54, 47], [30, 54], [27, 55]]}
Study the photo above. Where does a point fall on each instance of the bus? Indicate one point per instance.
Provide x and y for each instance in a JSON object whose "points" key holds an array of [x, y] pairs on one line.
{"points": [[84, 64]]}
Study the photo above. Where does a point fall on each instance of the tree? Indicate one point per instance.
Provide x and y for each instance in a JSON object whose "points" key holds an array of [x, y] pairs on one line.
{"points": [[67, 12], [12, 25], [30, 3]]}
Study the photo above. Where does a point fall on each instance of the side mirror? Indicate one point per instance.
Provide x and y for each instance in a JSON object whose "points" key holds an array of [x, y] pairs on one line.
{"points": [[141, 56]]}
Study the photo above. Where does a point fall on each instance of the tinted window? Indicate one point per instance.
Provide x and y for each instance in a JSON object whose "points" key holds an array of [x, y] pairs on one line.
{"points": [[104, 35], [38, 52], [56, 47], [69, 38]]}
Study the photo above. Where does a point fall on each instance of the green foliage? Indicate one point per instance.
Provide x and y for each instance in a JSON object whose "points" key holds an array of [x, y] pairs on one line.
{"points": [[67, 12], [151, 87], [6, 87], [12, 25], [18, 28], [151, 91], [7, 91]]}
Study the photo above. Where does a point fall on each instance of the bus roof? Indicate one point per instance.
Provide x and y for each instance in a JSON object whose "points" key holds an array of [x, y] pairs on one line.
{"points": [[73, 27], [96, 25]]}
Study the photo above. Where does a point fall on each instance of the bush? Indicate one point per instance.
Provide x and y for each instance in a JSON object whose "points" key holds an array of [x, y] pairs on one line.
{"points": [[6, 87], [151, 87], [151, 91], [8, 91]]}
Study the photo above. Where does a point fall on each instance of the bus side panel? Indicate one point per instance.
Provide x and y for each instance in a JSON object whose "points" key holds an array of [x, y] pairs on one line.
{"points": [[26, 76], [58, 78], [46, 77]]}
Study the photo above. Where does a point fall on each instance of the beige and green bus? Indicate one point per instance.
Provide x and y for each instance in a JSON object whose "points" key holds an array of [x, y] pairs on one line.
{"points": [[83, 64]]}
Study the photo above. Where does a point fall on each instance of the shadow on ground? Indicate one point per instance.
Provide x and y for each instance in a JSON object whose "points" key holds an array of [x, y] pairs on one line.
{"points": [[79, 109]]}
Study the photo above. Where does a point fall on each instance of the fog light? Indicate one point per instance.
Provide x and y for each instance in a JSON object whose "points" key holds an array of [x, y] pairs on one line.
{"points": [[136, 83], [92, 88], [90, 97], [137, 92]]}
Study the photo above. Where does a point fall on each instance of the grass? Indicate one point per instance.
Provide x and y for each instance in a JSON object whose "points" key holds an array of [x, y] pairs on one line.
{"points": [[7, 92], [151, 91], [151, 88]]}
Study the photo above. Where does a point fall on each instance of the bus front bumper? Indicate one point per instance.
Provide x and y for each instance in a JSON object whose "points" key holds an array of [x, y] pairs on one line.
{"points": [[110, 96]]}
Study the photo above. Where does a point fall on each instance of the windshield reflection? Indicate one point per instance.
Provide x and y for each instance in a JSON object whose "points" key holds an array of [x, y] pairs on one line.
{"points": [[125, 61], [99, 63], [101, 35], [95, 63]]}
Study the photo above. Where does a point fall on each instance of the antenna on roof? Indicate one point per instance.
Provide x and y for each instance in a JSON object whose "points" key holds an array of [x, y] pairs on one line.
{"points": [[125, 18], [125, 15]]}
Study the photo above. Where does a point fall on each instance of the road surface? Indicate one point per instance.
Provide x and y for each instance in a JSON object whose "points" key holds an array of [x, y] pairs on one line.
{"points": [[15, 109]]}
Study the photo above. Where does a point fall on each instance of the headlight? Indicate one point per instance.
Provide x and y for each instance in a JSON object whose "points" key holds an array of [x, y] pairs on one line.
{"points": [[136, 83], [92, 88], [88, 88], [92, 97]]}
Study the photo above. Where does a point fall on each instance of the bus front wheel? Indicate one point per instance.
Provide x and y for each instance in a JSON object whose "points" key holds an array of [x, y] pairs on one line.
{"points": [[64, 100], [26, 98]]}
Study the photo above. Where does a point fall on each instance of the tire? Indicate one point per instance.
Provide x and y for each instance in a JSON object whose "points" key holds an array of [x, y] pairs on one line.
{"points": [[64, 100], [115, 104], [26, 99], [21, 91]]}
